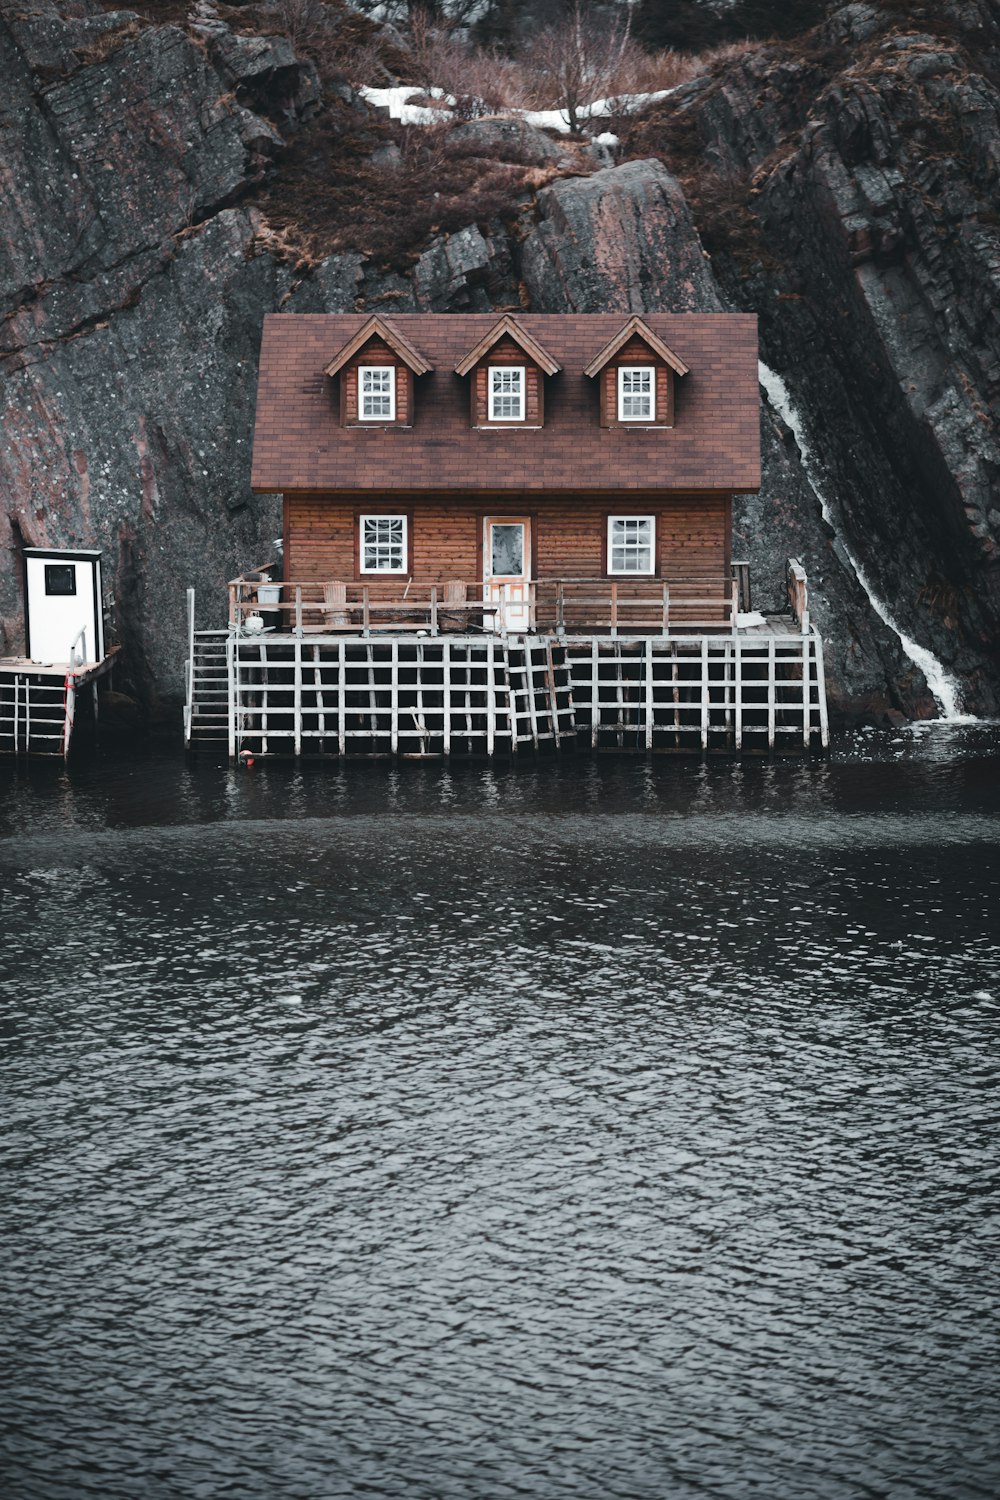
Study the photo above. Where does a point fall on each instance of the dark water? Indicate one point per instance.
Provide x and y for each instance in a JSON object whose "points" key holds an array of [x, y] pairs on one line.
{"points": [[599, 1129]]}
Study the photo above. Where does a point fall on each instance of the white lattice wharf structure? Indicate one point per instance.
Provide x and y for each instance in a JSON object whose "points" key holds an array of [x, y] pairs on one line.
{"points": [[65, 652], [326, 670]]}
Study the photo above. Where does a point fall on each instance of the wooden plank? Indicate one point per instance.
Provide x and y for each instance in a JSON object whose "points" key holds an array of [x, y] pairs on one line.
{"points": [[446, 694], [650, 705], [704, 692], [771, 692]]}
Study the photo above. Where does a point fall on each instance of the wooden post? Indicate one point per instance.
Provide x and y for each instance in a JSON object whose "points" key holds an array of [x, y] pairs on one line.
{"points": [[342, 697], [231, 693], [421, 722], [366, 618], [734, 605], [560, 610], [394, 696], [263, 697], [491, 696], [234, 618], [704, 692], [806, 693], [553, 698], [738, 690], [434, 609], [320, 703], [771, 690], [446, 694], [614, 609], [824, 725], [595, 694], [650, 702], [297, 676], [666, 608], [529, 684]]}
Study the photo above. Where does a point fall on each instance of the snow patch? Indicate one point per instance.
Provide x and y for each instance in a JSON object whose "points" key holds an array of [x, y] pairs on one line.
{"points": [[943, 686], [396, 101]]}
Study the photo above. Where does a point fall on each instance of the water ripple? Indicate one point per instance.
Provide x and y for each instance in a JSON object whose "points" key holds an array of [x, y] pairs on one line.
{"points": [[466, 1156]]}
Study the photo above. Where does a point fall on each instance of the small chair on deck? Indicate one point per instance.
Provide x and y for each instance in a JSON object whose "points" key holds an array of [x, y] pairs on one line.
{"points": [[335, 615]]}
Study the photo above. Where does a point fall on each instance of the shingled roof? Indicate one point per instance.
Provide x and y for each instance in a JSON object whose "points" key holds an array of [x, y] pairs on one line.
{"points": [[299, 443]]}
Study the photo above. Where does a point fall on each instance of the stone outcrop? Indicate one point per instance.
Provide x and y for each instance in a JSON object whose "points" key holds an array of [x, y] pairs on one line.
{"points": [[622, 238]]}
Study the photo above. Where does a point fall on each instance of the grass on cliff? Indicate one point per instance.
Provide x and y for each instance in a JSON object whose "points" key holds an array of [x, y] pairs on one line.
{"points": [[366, 183]]}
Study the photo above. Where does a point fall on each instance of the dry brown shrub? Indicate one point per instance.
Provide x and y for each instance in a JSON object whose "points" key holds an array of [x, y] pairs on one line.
{"points": [[328, 195]]}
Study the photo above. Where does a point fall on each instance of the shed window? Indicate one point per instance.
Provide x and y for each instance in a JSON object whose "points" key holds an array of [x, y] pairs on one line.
{"points": [[631, 544], [377, 388], [506, 393], [383, 544], [636, 395], [60, 578]]}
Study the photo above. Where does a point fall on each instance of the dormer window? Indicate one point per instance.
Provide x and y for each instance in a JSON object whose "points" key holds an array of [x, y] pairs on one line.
{"points": [[376, 371], [378, 393], [506, 385], [636, 393], [636, 375], [508, 370]]}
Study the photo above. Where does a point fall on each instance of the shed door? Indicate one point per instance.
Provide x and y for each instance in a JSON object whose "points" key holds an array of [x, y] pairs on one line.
{"points": [[63, 599], [507, 571]]}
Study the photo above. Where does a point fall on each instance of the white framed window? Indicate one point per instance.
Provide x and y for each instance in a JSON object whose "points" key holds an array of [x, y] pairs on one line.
{"points": [[636, 393], [376, 393], [631, 544], [506, 393], [383, 544]]}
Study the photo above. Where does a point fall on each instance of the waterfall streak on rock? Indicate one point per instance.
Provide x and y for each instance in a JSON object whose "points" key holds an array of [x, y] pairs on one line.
{"points": [[944, 688]]}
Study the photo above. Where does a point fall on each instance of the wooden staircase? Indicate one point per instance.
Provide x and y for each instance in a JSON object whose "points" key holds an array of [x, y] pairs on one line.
{"points": [[208, 691]]}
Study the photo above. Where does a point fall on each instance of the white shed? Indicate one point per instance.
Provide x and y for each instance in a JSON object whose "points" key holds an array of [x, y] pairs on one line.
{"points": [[64, 609]]}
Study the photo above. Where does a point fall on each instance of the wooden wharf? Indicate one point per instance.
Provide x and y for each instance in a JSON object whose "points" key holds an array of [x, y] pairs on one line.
{"points": [[38, 703], [409, 678]]}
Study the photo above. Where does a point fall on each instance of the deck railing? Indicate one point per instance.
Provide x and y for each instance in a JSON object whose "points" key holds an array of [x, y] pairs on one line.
{"points": [[562, 606]]}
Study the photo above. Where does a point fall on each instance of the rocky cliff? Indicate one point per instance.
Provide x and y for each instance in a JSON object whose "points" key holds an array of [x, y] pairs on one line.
{"points": [[844, 189]]}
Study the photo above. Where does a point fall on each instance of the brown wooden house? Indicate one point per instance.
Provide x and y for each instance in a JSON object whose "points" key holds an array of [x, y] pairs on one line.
{"points": [[504, 531], [500, 457]]}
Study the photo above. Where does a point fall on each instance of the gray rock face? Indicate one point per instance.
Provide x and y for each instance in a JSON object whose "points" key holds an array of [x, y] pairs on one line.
{"points": [[133, 301], [506, 140], [622, 238], [879, 309]]}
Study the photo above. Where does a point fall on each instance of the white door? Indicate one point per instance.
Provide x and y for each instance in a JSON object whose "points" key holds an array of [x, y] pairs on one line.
{"points": [[63, 599], [507, 571]]}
